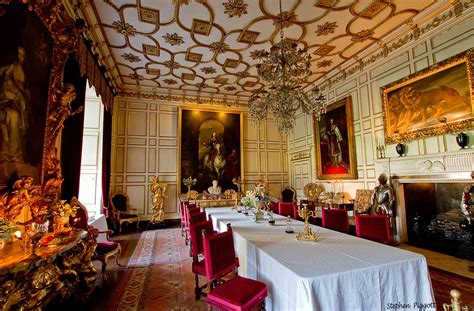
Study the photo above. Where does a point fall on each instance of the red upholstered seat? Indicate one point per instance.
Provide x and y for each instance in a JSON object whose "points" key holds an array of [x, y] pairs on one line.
{"points": [[373, 227], [286, 209], [238, 293], [335, 219], [198, 266], [189, 210]]}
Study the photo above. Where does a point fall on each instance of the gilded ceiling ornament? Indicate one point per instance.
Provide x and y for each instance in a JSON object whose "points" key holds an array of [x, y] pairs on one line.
{"points": [[208, 70], [363, 35], [173, 39], [243, 74], [181, 2], [136, 77], [124, 28], [170, 81], [258, 54], [326, 29], [219, 47], [324, 63], [230, 88], [235, 8], [201, 85], [171, 64], [131, 58], [285, 19]]}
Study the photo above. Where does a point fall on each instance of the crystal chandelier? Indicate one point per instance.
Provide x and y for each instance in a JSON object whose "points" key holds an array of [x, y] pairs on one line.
{"points": [[285, 68]]}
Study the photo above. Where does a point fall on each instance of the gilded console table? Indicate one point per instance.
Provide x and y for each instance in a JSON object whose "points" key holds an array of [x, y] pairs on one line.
{"points": [[60, 273]]}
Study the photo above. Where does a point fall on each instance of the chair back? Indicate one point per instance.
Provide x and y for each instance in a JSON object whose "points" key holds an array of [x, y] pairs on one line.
{"points": [[219, 254], [373, 227], [288, 195], [119, 202], [195, 217], [274, 207], [195, 231], [335, 219], [286, 209], [190, 209], [362, 204]]}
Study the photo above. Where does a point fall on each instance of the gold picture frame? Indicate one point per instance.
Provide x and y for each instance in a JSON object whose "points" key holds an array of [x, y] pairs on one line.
{"points": [[335, 143], [431, 102], [196, 127]]}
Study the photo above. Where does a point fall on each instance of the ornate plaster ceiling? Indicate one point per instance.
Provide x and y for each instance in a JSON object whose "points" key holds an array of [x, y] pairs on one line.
{"points": [[212, 47]]}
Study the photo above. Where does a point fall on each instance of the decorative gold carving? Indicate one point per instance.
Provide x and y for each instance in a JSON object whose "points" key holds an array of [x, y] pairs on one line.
{"points": [[193, 57], [149, 16], [153, 71], [325, 3], [63, 110], [188, 76], [374, 8], [324, 63], [221, 80], [258, 54], [231, 63], [170, 81], [124, 28], [326, 28], [158, 190], [362, 35], [151, 49], [235, 8], [248, 36], [208, 70], [456, 303], [230, 88], [300, 155], [201, 27], [249, 84], [324, 50], [218, 47], [312, 191], [173, 39], [131, 57], [171, 64]]}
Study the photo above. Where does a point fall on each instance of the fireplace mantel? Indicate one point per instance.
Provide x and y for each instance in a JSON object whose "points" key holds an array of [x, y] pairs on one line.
{"points": [[439, 167], [450, 167]]}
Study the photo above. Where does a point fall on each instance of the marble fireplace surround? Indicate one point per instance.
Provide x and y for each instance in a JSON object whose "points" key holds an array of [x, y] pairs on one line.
{"points": [[451, 167]]}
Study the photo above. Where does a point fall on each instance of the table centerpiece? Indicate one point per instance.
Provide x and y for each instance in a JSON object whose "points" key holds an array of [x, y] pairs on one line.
{"points": [[257, 200]]}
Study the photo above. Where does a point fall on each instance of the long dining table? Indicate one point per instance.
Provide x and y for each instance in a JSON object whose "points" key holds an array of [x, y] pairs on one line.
{"points": [[337, 272]]}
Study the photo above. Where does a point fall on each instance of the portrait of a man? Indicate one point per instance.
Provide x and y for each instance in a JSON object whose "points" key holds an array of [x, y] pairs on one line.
{"points": [[24, 82], [334, 141], [210, 147]]}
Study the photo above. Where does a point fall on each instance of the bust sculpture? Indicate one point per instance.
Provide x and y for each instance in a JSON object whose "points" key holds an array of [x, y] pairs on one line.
{"points": [[214, 189], [382, 199]]}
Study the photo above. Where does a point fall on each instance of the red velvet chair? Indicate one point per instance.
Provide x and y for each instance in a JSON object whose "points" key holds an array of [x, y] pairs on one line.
{"points": [[274, 207], [182, 212], [237, 293], [286, 209], [104, 250], [198, 266], [190, 209], [373, 227], [335, 219]]}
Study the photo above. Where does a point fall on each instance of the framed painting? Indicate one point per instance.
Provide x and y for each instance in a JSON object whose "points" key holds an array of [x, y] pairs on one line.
{"points": [[210, 147], [334, 141], [26, 59], [433, 101]]}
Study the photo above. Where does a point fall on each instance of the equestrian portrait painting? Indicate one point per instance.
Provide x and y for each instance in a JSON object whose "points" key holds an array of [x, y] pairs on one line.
{"points": [[210, 147], [430, 102]]}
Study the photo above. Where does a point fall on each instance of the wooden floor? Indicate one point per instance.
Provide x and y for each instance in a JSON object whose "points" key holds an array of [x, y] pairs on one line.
{"points": [[100, 299]]}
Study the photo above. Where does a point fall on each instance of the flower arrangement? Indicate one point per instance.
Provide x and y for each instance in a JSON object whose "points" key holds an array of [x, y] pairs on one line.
{"points": [[7, 227], [63, 209], [258, 197]]}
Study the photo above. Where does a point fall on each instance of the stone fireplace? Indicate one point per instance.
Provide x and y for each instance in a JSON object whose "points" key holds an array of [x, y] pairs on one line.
{"points": [[428, 193]]}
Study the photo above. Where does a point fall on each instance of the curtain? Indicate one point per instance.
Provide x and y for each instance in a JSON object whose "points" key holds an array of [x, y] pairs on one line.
{"points": [[106, 153], [71, 140]]}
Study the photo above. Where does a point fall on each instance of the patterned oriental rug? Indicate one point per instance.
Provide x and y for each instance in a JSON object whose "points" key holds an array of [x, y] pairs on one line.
{"points": [[159, 275]]}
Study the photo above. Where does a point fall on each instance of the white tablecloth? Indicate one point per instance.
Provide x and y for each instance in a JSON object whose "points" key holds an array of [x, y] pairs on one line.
{"points": [[339, 272]]}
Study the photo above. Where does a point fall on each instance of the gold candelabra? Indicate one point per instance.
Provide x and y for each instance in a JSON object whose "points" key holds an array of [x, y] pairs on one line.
{"points": [[189, 182], [307, 234]]}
